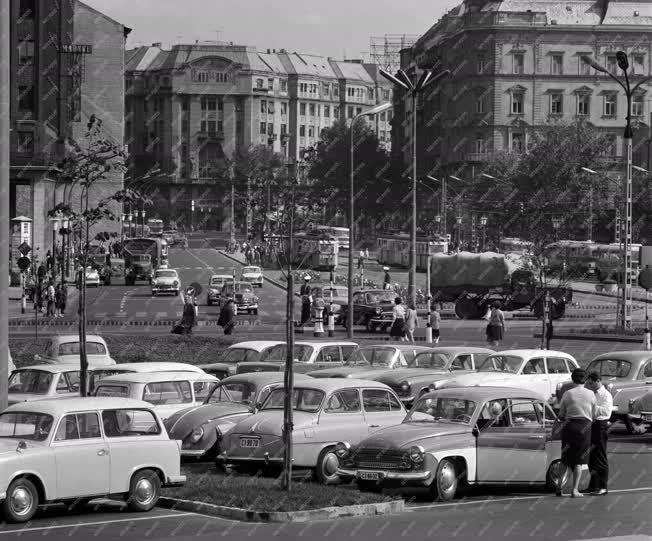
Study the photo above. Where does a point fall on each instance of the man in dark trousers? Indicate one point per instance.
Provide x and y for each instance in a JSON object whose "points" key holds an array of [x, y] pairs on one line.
{"points": [[387, 281], [306, 299], [598, 461]]}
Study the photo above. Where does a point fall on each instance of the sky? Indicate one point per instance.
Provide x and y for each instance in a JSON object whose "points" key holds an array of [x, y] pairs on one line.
{"points": [[336, 28]]}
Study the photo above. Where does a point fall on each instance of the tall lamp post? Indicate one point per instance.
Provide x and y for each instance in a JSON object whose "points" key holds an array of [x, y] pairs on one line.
{"points": [[556, 224], [458, 221], [402, 80], [623, 64], [483, 223], [370, 112]]}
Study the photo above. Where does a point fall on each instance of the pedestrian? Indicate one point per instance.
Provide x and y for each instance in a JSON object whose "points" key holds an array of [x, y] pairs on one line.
{"points": [[398, 328], [49, 297], [387, 280], [189, 315], [366, 254], [598, 461], [226, 319], [549, 332], [361, 259], [49, 261], [61, 299], [496, 326], [435, 323], [306, 299], [576, 411], [411, 322]]}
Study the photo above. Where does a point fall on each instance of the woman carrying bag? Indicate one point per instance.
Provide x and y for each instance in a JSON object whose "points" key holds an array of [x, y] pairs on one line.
{"points": [[399, 315], [227, 317]]}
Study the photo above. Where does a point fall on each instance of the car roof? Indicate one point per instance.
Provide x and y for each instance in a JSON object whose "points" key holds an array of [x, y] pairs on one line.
{"points": [[152, 367], [634, 355], [257, 345], [166, 269], [322, 343], [262, 378], [400, 347], [62, 406], [333, 384], [482, 393], [54, 368], [152, 377], [534, 352], [65, 338], [221, 276], [460, 349]]}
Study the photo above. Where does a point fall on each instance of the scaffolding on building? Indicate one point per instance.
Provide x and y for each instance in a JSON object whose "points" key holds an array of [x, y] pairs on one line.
{"points": [[386, 50]]}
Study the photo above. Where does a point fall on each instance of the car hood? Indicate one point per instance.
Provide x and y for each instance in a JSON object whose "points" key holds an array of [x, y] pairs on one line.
{"points": [[183, 422], [406, 435], [408, 374], [478, 378], [271, 422], [359, 372]]}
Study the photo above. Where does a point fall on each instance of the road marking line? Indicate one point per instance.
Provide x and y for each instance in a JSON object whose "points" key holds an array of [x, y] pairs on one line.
{"points": [[161, 314], [98, 523], [141, 314]]}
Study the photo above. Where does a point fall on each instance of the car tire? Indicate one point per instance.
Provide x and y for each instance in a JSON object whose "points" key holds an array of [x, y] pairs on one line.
{"points": [[444, 486], [369, 486], [144, 491], [326, 469], [21, 502], [552, 475], [209, 302]]}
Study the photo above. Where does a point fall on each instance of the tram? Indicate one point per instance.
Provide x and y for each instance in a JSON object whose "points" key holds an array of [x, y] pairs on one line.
{"points": [[394, 249]]}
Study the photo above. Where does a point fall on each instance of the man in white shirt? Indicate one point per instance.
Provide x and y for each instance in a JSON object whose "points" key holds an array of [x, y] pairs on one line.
{"points": [[598, 461]]}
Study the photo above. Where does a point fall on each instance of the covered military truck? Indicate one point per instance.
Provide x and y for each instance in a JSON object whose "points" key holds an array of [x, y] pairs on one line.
{"points": [[142, 256], [474, 281]]}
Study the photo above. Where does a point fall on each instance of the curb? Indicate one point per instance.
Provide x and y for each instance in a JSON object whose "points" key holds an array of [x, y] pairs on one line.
{"points": [[596, 337], [325, 513]]}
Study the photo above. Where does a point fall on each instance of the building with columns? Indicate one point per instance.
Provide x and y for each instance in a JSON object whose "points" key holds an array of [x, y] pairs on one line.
{"points": [[190, 108]]}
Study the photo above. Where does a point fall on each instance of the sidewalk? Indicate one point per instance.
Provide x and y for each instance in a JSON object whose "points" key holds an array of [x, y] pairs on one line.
{"points": [[15, 309]]}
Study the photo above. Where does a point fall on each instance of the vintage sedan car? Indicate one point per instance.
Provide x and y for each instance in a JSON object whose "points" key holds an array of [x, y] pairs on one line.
{"points": [[95, 375], [369, 362], [452, 437], [640, 412], [77, 450], [166, 392], [252, 275], [340, 298], [92, 277], [371, 308], [201, 428], [325, 412], [65, 349], [214, 289], [227, 365], [165, 281], [308, 356], [243, 296], [40, 382], [538, 370], [429, 366]]}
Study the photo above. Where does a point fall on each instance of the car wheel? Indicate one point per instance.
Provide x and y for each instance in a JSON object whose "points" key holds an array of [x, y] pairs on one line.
{"points": [[256, 312], [144, 491], [327, 464], [369, 486], [209, 302], [553, 474], [21, 502], [446, 481]]}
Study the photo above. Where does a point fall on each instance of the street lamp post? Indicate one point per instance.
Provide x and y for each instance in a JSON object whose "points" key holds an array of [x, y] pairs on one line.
{"points": [[483, 223], [623, 64], [373, 111], [402, 80], [65, 247], [556, 224], [458, 221]]}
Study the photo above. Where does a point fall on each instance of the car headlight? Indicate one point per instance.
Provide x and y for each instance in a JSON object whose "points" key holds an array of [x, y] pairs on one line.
{"points": [[416, 454], [175, 283], [379, 311], [154, 282], [342, 450], [196, 434], [405, 386]]}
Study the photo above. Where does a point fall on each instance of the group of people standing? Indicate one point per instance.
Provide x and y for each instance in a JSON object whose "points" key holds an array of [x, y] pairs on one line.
{"points": [[226, 319]]}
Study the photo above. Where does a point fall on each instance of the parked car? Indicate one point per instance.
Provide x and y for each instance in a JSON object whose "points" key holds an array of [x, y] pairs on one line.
{"points": [[43, 381], [165, 281], [92, 277], [372, 361], [453, 437], [65, 349], [95, 375], [428, 366], [242, 294], [227, 365], [371, 308], [115, 268], [340, 299], [170, 237], [307, 356], [252, 275], [214, 289], [81, 449], [201, 428], [167, 392], [640, 412], [325, 412], [538, 370]]}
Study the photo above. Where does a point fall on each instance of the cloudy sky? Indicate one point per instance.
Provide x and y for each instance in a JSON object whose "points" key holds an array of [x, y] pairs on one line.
{"points": [[334, 28]]}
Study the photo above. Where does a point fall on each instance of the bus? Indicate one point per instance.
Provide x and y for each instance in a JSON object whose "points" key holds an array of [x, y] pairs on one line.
{"points": [[340, 234], [155, 226]]}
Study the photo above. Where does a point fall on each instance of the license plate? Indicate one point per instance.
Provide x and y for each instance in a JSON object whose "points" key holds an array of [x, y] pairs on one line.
{"points": [[647, 417], [249, 443], [369, 475]]}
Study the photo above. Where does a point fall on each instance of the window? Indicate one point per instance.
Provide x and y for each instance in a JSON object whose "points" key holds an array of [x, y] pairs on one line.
{"points": [[346, 401], [270, 129], [370, 94], [350, 91], [329, 354], [557, 365], [302, 109], [381, 135], [284, 85], [480, 63], [517, 142], [534, 366], [263, 127], [638, 64], [556, 104], [76, 426], [284, 129], [518, 63], [26, 53], [358, 110], [327, 111], [336, 112], [312, 109], [386, 94], [112, 390], [26, 99], [612, 145], [349, 112], [584, 67], [220, 104], [480, 104], [263, 106], [462, 362], [270, 84], [201, 76], [557, 64], [270, 107], [302, 131], [26, 9], [379, 400], [480, 145], [219, 78], [124, 422], [646, 371], [609, 105], [212, 126], [284, 108], [583, 104], [336, 91], [526, 413], [637, 105], [517, 103], [612, 63], [325, 89], [203, 389], [25, 142], [259, 83], [167, 392], [220, 126]]}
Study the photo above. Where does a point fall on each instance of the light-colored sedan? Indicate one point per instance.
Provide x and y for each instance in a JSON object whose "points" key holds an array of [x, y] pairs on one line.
{"points": [[253, 275], [165, 281], [325, 411], [214, 289], [92, 277], [65, 349], [44, 381], [82, 449], [96, 375], [227, 364]]}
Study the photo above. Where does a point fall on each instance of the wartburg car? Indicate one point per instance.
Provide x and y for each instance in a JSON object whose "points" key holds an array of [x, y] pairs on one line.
{"points": [[253, 275], [455, 437], [81, 449], [243, 296], [165, 281]]}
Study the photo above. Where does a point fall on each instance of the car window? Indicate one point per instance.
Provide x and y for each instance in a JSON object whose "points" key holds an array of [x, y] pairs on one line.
{"points": [[430, 360], [462, 362], [645, 371], [356, 297], [72, 348], [167, 392], [308, 400], [406, 357], [26, 426], [345, 401], [121, 423], [494, 414], [610, 368], [75, 426], [203, 389], [68, 383], [302, 353], [526, 413], [238, 355], [557, 365], [112, 390], [30, 381], [534, 366], [347, 351], [500, 363], [379, 400], [98, 375], [329, 354]]}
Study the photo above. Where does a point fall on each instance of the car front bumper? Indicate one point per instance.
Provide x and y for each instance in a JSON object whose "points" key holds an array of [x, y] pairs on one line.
{"points": [[380, 321], [405, 478], [165, 289], [246, 305]]}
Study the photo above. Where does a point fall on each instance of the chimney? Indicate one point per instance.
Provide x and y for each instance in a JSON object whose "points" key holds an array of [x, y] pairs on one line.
{"points": [[269, 51], [157, 44]]}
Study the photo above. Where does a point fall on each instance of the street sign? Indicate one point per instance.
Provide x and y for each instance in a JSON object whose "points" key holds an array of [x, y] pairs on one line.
{"points": [[197, 289], [23, 263], [24, 248]]}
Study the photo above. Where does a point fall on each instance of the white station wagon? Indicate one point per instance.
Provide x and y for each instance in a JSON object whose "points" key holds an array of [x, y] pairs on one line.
{"points": [[80, 449]]}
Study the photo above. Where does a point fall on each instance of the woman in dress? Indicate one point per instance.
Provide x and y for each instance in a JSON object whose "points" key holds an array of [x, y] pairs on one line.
{"points": [[411, 322], [189, 316], [399, 314], [496, 327]]}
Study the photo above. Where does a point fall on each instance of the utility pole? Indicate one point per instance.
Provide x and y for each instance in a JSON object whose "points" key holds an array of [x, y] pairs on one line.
{"points": [[248, 216]]}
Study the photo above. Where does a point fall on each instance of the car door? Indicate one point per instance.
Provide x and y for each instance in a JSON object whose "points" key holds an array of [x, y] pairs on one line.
{"points": [[533, 376], [341, 418], [381, 409], [512, 447], [82, 456]]}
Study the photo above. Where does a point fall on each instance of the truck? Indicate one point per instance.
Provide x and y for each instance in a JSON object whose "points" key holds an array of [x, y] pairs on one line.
{"points": [[474, 281], [142, 256]]}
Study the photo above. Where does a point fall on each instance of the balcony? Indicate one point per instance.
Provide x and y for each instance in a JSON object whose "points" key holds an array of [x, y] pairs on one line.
{"points": [[478, 156], [210, 135]]}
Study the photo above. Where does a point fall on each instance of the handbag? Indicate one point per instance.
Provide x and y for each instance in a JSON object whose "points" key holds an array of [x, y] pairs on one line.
{"points": [[177, 329]]}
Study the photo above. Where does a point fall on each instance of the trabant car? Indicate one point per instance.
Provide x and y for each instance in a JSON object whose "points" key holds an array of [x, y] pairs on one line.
{"points": [[640, 412], [307, 356], [253, 275], [369, 362], [242, 294], [65, 349], [227, 365], [201, 428], [95, 375], [428, 366], [165, 281], [166, 392], [43, 381], [452, 437], [539, 370], [214, 289], [371, 308], [76, 450], [324, 412]]}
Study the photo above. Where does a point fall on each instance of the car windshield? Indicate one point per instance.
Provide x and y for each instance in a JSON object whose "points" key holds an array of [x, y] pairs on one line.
{"points": [[429, 410], [430, 360], [242, 393], [371, 357], [610, 368], [72, 348], [380, 297], [217, 281], [121, 391], [302, 353], [250, 270], [30, 381], [501, 363], [25, 426], [166, 274], [243, 288], [308, 400]]}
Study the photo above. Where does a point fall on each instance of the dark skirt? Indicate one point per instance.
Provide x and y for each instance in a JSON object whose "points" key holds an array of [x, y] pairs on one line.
{"points": [[494, 333], [576, 442], [398, 328]]}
